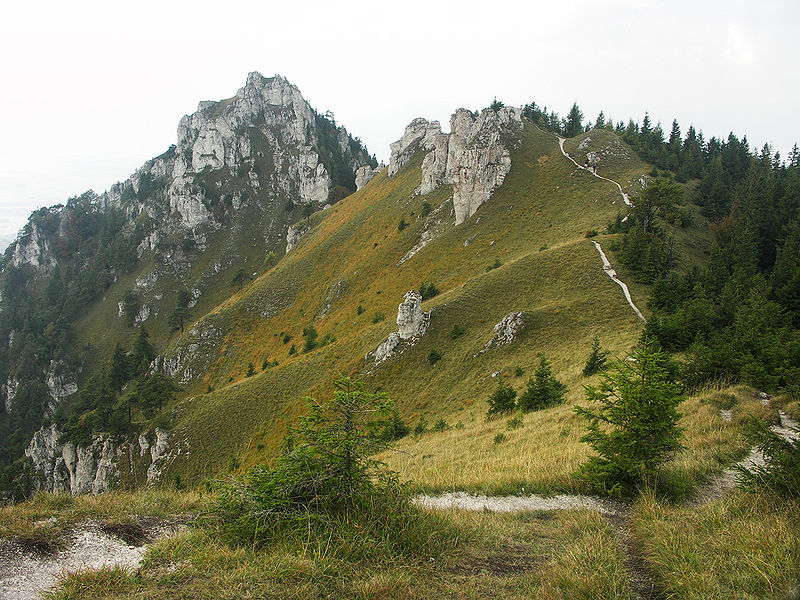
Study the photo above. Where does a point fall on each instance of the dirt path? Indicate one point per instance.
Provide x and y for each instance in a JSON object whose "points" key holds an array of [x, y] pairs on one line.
{"points": [[613, 275], [727, 480], [625, 198], [26, 573], [476, 502]]}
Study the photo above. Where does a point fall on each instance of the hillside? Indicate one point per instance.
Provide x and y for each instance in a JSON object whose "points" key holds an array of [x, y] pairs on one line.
{"points": [[164, 335]]}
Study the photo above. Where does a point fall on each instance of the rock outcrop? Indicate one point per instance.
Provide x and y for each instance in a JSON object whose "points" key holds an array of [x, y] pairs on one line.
{"points": [[293, 235], [474, 157], [365, 174], [412, 323], [506, 331], [91, 469]]}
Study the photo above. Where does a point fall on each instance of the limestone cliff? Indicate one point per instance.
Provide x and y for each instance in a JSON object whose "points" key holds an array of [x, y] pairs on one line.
{"points": [[99, 466], [474, 157]]}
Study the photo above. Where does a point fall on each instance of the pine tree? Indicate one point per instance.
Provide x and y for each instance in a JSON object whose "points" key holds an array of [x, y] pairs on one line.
{"points": [[597, 359], [634, 429], [544, 390], [573, 124], [502, 400], [143, 352], [120, 369]]}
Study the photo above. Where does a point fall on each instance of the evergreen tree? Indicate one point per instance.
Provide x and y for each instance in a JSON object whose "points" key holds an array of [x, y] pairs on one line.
{"points": [[634, 428], [178, 317], [120, 369], [573, 124], [239, 278], [544, 390], [143, 352], [502, 400], [597, 359]]}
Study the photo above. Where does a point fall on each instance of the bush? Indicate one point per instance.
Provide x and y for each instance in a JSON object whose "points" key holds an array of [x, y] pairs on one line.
{"points": [[515, 422], [395, 428], [499, 438], [781, 471], [360, 310], [251, 369], [310, 334], [426, 209], [544, 390], [440, 425], [428, 290], [327, 469], [457, 331], [502, 400], [378, 317], [422, 426], [495, 265], [402, 225], [434, 356], [635, 429]]}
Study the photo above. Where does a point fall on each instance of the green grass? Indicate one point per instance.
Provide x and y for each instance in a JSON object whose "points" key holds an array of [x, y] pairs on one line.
{"points": [[743, 546], [562, 555]]}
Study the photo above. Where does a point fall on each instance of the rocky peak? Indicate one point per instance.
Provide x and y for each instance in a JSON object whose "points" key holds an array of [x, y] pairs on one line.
{"points": [[473, 157]]}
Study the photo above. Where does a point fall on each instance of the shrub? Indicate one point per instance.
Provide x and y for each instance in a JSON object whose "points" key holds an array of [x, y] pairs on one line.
{"points": [[515, 422], [310, 334], [503, 399], [378, 317], [434, 356], [440, 425], [635, 428], [402, 225], [360, 310], [422, 426], [428, 290], [544, 390], [251, 369], [395, 428], [327, 487], [496, 264], [457, 331], [499, 438], [518, 371], [426, 209]]}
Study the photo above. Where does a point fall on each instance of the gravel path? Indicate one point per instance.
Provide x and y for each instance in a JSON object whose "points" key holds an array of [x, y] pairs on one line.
{"points": [[613, 275], [728, 479], [476, 502], [625, 198], [25, 575]]}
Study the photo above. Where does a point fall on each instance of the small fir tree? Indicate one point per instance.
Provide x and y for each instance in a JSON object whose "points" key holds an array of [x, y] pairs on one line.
{"points": [[544, 390], [503, 399], [634, 429], [597, 359]]}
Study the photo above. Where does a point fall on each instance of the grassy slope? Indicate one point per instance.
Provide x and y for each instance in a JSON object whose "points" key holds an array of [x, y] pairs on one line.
{"points": [[534, 225]]}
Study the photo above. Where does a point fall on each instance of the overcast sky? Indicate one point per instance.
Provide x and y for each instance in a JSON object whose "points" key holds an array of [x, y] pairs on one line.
{"points": [[90, 90]]}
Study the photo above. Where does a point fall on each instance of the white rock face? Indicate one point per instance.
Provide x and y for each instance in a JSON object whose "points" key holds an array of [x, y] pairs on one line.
{"points": [[412, 323], [159, 455], [60, 383], [293, 235], [12, 385], [473, 157], [34, 251], [365, 174], [478, 159], [91, 469], [506, 330]]}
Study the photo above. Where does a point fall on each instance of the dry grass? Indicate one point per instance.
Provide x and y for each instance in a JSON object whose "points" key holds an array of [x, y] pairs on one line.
{"points": [[555, 556], [542, 455], [742, 546]]}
